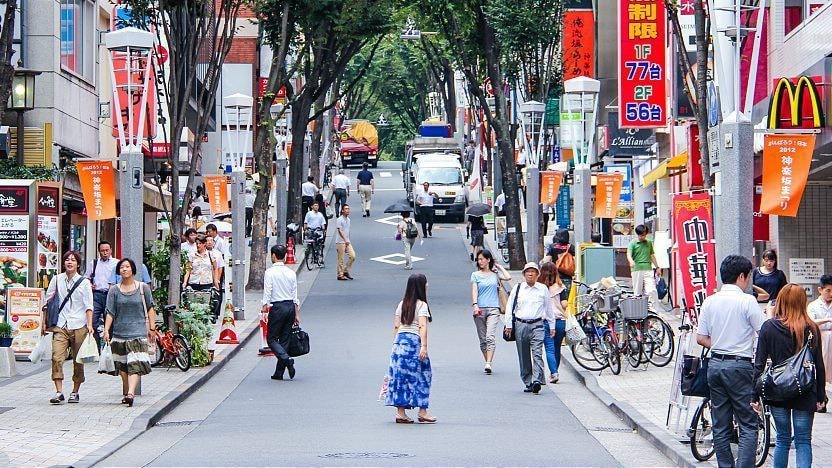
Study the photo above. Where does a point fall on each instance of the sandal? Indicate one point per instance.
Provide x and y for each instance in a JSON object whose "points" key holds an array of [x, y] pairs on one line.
{"points": [[404, 420], [128, 400], [427, 419]]}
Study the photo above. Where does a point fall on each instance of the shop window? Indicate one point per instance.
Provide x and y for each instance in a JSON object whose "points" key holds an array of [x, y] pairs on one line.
{"points": [[77, 34]]}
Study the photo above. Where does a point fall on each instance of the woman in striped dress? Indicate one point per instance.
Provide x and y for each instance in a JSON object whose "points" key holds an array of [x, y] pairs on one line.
{"points": [[130, 323]]}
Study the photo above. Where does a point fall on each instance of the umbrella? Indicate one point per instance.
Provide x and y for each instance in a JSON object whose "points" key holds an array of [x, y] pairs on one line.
{"points": [[478, 209], [222, 226], [399, 207]]}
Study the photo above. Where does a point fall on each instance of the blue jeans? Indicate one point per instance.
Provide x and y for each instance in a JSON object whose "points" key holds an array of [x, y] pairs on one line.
{"points": [[553, 345], [787, 422]]}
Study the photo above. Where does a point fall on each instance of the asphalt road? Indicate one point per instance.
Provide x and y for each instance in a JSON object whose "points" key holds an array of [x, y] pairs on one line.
{"points": [[329, 414]]}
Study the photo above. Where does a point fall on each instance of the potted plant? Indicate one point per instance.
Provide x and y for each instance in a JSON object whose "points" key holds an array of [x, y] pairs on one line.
{"points": [[195, 327], [5, 335]]}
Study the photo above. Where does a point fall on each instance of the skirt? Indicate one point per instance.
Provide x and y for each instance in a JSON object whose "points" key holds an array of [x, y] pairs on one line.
{"points": [[826, 340], [408, 377], [130, 356], [476, 238]]}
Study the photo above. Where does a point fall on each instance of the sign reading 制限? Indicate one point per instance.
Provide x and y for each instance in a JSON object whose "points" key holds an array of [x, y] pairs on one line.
{"points": [[786, 161], [693, 233], [642, 87], [607, 194], [98, 185], [216, 187]]}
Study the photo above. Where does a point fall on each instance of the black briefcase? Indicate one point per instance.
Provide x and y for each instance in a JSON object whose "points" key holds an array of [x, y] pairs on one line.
{"points": [[695, 376], [298, 342]]}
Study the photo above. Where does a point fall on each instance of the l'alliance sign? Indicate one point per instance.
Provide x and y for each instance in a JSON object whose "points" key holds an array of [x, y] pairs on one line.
{"points": [[801, 100]]}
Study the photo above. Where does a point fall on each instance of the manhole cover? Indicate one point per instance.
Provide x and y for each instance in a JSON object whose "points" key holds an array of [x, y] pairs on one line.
{"points": [[175, 423], [610, 429], [366, 455], [3, 409]]}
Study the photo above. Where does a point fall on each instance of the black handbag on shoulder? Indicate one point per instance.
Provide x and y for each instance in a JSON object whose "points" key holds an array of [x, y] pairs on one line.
{"points": [[695, 375], [512, 336], [54, 305], [790, 379], [298, 342]]}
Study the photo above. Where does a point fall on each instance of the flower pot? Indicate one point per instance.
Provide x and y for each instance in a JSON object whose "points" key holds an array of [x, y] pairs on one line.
{"points": [[6, 342]]}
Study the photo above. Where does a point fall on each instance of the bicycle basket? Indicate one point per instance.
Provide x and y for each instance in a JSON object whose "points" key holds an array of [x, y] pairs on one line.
{"points": [[609, 300], [634, 308]]}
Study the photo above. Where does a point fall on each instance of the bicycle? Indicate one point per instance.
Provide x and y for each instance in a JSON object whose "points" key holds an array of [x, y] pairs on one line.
{"points": [[171, 348], [314, 255], [702, 437], [600, 349]]}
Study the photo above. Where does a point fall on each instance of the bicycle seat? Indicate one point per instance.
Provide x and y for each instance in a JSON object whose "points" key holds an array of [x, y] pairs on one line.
{"points": [[170, 308]]}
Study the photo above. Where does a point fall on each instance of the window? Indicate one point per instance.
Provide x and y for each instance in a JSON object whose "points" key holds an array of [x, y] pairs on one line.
{"points": [[77, 34], [798, 11]]}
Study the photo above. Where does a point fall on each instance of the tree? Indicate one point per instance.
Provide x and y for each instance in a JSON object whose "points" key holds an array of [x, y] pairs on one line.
{"points": [[6, 52]]}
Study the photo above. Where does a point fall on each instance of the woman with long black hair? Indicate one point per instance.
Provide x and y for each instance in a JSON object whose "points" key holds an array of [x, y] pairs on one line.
{"points": [[409, 375]]}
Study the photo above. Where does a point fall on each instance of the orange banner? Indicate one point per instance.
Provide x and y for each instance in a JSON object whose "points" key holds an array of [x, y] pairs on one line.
{"points": [[550, 186], [607, 193], [786, 161], [98, 186], [216, 187]]}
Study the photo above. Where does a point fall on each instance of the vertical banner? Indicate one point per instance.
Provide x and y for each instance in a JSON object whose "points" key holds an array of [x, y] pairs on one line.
{"points": [[550, 186], [694, 169], [98, 186], [130, 98], [607, 194], [642, 55], [563, 207], [786, 161], [216, 187], [693, 233], [578, 43]]}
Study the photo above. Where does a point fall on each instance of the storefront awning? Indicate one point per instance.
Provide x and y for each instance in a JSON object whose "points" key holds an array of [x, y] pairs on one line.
{"points": [[668, 168]]}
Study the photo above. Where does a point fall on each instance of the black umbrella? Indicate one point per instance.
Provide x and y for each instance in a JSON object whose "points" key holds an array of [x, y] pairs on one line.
{"points": [[478, 209], [399, 207]]}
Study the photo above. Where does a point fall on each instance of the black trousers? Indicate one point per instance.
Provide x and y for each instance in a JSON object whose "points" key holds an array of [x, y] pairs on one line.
{"points": [[249, 217], [281, 318], [306, 204], [99, 303], [426, 213]]}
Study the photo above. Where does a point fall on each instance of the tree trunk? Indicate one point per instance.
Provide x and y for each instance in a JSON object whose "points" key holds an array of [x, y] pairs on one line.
{"points": [[702, 91], [263, 151], [300, 120], [315, 145]]}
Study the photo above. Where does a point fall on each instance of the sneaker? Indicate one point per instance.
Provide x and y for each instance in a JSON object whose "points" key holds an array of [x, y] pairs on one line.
{"points": [[487, 369], [536, 388], [73, 398], [58, 399], [472, 256], [408, 267], [554, 378]]}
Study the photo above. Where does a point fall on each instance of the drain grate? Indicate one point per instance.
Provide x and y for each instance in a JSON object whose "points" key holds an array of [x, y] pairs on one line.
{"points": [[176, 423], [3, 409], [610, 429], [365, 455]]}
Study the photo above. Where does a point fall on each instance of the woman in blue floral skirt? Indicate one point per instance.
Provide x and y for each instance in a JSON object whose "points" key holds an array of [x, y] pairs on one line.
{"points": [[409, 375]]}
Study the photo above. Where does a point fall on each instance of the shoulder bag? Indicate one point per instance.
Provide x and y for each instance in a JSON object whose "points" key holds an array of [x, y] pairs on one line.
{"points": [[501, 293], [790, 379], [565, 263], [151, 346], [53, 309], [513, 335]]}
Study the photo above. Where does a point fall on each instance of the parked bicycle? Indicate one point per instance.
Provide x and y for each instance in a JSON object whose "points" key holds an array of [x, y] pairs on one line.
{"points": [[314, 252], [171, 348], [702, 435]]}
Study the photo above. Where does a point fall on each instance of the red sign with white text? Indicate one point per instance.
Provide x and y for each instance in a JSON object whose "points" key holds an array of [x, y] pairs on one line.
{"points": [[642, 83], [694, 163], [693, 232]]}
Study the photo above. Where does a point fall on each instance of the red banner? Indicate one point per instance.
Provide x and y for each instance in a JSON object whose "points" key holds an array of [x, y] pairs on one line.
{"points": [[693, 233], [216, 188], [97, 180], [550, 186], [694, 169], [578, 43], [786, 161], [642, 82]]}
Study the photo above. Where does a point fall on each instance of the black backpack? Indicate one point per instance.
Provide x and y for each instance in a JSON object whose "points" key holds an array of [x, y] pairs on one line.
{"points": [[411, 232]]}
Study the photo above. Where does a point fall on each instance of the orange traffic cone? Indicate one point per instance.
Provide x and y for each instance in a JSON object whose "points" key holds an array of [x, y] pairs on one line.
{"points": [[290, 252], [228, 334]]}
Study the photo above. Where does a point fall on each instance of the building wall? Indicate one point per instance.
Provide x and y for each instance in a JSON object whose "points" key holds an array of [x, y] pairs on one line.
{"points": [[807, 234]]}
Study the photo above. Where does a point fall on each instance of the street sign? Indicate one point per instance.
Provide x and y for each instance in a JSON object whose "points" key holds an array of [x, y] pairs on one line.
{"points": [[713, 149]]}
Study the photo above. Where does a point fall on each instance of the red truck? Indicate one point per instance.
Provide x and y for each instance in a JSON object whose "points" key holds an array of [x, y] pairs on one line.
{"points": [[358, 143]]}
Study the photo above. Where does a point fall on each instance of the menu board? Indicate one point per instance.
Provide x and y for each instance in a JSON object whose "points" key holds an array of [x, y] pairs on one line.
{"points": [[24, 315], [47, 250], [14, 252]]}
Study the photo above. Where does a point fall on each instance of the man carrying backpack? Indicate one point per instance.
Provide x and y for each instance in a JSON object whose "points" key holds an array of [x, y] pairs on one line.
{"points": [[408, 232]]}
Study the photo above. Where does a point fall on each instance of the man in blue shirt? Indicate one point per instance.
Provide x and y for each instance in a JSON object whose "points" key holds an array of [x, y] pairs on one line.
{"points": [[366, 187]]}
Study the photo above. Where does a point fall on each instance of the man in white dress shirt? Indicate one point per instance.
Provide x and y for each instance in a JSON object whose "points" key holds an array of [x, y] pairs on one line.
{"points": [[341, 190], [424, 205], [280, 299], [100, 272], [529, 304], [314, 219], [308, 190]]}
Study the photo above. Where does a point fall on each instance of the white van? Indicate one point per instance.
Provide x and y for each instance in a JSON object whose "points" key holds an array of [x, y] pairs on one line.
{"points": [[447, 179]]}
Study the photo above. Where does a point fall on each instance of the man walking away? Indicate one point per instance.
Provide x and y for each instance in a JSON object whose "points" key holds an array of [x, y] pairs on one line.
{"points": [[728, 324], [343, 245], [408, 232], [641, 257], [424, 202], [533, 305], [249, 210], [341, 190], [308, 191], [101, 270], [470, 153], [280, 300], [366, 188]]}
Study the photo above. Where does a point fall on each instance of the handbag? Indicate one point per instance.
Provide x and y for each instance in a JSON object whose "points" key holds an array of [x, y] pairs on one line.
{"points": [[501, 293], [298, 342], [695, 375], [151, 344], [565, 263], [792, 378], [574, 332], [53, 310], [512, 336]]}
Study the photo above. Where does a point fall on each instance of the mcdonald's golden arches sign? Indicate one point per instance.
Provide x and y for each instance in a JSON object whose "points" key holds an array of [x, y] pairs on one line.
{"points": [[795, 103]]}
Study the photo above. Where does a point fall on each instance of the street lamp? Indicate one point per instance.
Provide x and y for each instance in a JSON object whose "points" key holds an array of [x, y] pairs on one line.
{"points": [[281, 128], [22, 99], [532, 113], [130, 57], [238, 110]]}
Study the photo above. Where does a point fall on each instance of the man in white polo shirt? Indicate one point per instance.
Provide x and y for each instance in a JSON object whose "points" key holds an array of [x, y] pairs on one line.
{"points": [[728, 323], [341, 190]]}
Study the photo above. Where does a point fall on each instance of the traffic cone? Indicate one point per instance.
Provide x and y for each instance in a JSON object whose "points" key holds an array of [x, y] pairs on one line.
{"points": [[290, 252], [228, 334], [264, 331]]}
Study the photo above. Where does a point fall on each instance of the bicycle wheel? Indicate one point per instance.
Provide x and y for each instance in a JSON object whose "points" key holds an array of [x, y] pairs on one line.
{"points": [[763, 437], [586, 354], [702, 432], [183, 353], [633, 346], [613, 353], [319, 254], [307, 257], [661, 338], [156, 357]]}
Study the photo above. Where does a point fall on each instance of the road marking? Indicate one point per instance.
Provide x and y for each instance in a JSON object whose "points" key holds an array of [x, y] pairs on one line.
{"points": [[389, 259], [389, 190], [391, 220], [385, 174]]}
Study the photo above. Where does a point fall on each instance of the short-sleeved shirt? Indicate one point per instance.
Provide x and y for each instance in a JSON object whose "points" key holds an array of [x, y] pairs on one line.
{"points": [[424, 198], [487, 289], [127, 310], [477, 223], [341, 182], [771, 282], [202, 268], [421, 311], [343, 223], [402, 225], [641, 253], [308, 189], [731, 318], [314, 220], [819, 309], [364, 177]]}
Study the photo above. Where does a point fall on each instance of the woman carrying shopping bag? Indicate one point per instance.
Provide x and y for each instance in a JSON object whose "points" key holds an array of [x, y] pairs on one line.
{"points": [[69, 318], [485, 298], [559, 295], [130, 323]]}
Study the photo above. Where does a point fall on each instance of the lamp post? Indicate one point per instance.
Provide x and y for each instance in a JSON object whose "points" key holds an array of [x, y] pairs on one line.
{"points": [[532, 113], [130, 57], [238, 110], [281, 164], [22, 99]]}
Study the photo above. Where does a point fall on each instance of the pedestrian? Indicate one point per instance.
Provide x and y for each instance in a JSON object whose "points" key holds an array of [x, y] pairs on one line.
{"points": [[220, 243], [189, 246], [129, 327], [424, 203], [201, 269], [476, 232], [642, 258], [408, 232], [366, 187], [101, 270], [558, 253], [559, 295], [485, 297], [728, 322], [280, 300], [343, 245], [409, 375], [470, 153], [249, 203], [73, 324], [532, 307], [500, 204], [781, 337], [197, 220], [219, 264], [341, 190], [314, 219], [768, 279], [322, 208], [308, 191], [821, 312]]}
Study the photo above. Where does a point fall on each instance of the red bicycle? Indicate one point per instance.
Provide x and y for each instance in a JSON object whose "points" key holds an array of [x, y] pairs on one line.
{"points": [[171, 348]]}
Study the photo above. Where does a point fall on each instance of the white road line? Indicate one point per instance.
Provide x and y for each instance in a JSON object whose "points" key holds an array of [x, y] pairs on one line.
{"points": [[385, 174], [399, 259], [391, 220]]}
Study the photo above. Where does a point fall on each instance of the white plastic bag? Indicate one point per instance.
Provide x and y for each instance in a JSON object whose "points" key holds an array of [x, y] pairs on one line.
{"points": [[106, 364], [88, 351], [43, 350]]}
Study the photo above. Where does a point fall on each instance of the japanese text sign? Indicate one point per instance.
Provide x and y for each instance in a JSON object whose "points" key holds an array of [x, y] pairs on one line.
{"points": [[98, 186], [642, 86], [607, 194], [578, 44], [217, 191], [693, 233], [550, 186], [786, 161]]}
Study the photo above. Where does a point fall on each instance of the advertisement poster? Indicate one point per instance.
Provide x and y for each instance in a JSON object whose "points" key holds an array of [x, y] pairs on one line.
{"points": [[47, 250], [786, 161], [14, 252], [98, 186], [693, 233], [626, 172], [607, 194], [216, 188], [24, 313], [550, 186]]}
